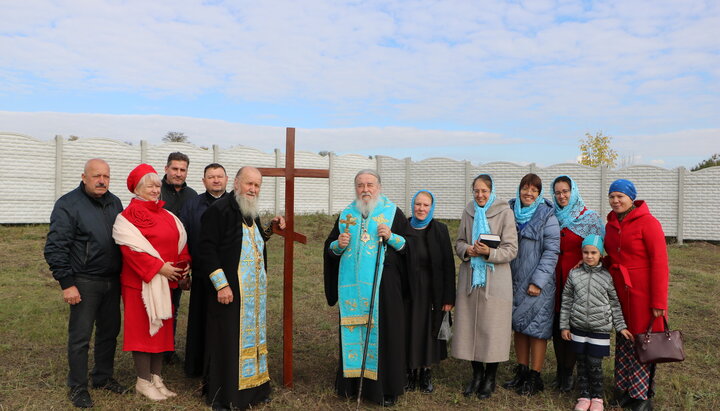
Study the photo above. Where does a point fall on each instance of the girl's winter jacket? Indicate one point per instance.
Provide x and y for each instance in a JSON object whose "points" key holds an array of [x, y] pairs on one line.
{"points": [[589, 301]]}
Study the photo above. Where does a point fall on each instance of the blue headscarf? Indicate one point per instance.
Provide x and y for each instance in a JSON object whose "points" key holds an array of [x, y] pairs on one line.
{"points": [[481, 226], [524, 214], [624, 186], [416, 222], [595, 241], [572, 216]]}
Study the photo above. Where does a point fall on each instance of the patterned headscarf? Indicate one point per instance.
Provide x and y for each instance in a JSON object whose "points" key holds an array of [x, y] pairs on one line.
{"points": [[416, 222], [572, 216], [481, 226]]}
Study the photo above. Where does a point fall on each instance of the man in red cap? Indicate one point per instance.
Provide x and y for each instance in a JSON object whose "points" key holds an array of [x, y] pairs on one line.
{"points": [[86, 262]]}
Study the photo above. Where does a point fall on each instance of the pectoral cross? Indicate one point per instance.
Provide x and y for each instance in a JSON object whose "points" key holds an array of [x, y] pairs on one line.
{"points": [[348, 221], [290, 172]]}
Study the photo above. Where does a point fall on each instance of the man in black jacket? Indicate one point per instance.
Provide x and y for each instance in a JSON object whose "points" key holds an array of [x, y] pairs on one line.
{"points": [[85, 260], [215, 181], [176, 193]]}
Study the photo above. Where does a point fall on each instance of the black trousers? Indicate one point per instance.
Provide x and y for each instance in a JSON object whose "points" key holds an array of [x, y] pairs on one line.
{"points": [[175, 294], [100, 307]]}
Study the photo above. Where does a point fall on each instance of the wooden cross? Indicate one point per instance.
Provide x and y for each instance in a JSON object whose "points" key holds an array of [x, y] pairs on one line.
{"points": [[290, 172]]}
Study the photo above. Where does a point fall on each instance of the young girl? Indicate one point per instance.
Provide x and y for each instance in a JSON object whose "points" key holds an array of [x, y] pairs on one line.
{"points": [[590, 307]]}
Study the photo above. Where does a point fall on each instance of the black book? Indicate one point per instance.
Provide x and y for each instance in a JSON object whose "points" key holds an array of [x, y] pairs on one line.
{"points": [[491, 240]]}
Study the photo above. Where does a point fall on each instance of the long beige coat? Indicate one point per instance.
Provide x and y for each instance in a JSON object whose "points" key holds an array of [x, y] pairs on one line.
{"points": [[483, 316]]}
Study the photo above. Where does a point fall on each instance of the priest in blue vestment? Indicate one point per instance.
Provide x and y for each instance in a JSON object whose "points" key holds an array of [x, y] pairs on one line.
{"points": [[352, 252], [234, 257]]}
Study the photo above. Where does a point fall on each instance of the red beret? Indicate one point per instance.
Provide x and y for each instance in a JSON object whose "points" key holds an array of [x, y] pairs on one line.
{"points": [[138, 173]]}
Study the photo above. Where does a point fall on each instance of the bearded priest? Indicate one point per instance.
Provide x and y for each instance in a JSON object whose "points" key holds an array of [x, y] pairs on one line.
{"points": [[233, 255], [352, 255]]}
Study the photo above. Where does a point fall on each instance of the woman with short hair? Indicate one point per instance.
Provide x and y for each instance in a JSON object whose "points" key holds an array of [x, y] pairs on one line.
{"points": [[153, 245], [533, 276]]}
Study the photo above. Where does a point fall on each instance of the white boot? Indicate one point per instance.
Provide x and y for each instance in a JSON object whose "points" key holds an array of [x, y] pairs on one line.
{"points": [[158, 383], [149, 390]]}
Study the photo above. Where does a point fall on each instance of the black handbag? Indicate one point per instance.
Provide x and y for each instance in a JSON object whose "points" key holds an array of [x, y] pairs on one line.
{"points": [[659, 347]]}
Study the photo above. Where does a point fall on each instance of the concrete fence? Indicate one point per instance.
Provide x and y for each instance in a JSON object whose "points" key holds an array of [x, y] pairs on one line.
{"points": [[34, 173]]}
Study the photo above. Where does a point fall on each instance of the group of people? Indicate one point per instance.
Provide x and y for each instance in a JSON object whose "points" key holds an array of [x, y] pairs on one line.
{"points": [[530, 270], [144, 254]]}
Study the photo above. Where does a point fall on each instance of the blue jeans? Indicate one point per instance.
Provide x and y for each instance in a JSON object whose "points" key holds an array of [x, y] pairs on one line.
{"points": [[100, 307]]}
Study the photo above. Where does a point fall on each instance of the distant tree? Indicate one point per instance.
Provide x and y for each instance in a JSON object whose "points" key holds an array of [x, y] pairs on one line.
{"points": [[627, 160], [175, 137], [595, 150], [713, 161], [73, 138]]}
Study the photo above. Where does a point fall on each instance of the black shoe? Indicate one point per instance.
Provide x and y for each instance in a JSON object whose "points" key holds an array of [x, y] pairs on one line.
{"points": [[425, 381], [474, 385], [219, 407], [521, 372], [412, 379], [112, 385], [488, 384], [568, 382], [389, 401], [80, 397], [621, 400], [533, 384], [642, 405]]}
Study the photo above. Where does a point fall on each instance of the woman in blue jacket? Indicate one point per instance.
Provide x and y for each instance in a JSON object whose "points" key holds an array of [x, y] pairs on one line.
{"points": [[533, 275]]}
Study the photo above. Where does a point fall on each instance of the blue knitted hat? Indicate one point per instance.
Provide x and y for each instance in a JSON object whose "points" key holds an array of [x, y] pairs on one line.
{"points": [[595, 241], [624, 186]]}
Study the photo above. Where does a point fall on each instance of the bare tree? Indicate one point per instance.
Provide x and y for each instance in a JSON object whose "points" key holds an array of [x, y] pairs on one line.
{"points": [[175, 137]]}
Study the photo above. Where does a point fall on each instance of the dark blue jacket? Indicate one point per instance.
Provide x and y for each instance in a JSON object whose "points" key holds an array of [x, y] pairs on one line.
{"points": [[80, 241], [190, 216], [538, 249]]}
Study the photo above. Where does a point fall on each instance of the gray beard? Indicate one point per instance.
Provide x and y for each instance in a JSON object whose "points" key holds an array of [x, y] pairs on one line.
{"points": [[248, 207], [365, 208]]}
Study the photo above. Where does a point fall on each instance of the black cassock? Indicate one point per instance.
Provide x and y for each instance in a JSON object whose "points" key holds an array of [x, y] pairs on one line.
{"points": [[220, 246], [201, 288], [394, 295]]}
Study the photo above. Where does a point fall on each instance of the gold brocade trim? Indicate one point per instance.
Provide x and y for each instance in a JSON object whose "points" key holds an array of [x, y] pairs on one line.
{"points": [[255, 380], [371, 375], [253, 352], [359, 320]]}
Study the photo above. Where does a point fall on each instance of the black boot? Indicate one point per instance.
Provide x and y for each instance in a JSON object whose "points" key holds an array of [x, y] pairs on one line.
{"points": [[474, 384], [425, 381], [488, 384], [621, 399], [642, 405], [533, 384], [567, 382], [412, 379], [521, 371], [559, 377]]}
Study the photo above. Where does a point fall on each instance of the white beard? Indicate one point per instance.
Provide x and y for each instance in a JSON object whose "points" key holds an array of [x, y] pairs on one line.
{"points": [[248, 207], [366, 208]]}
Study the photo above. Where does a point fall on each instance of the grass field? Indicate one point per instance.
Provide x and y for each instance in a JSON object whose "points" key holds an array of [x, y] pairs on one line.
{"points": [[33, 318]]}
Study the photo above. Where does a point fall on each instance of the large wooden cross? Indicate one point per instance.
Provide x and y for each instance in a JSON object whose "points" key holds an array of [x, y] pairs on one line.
{"points": [[290, 172]]}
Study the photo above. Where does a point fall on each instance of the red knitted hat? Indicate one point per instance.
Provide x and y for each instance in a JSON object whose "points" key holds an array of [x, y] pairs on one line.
{"points": [[138, 173]]}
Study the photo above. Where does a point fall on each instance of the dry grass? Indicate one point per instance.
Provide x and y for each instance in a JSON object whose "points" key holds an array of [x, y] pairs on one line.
{"points": [[34, 323]]}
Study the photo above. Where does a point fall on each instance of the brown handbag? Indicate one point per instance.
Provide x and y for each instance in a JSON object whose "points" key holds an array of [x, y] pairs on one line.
{"points": [[658, 347]]}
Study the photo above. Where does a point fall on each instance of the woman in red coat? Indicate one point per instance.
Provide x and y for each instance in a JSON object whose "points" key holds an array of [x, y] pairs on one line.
{"points": [[638, 261], [155, 256], [576, 223]]}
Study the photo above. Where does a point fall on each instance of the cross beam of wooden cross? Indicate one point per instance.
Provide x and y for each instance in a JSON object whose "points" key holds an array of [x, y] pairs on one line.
{"points": [[290, 172]]}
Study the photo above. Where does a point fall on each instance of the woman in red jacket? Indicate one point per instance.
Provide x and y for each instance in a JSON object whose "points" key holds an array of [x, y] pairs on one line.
{"points": [[576, 223], [155, 256], [638, 261]]}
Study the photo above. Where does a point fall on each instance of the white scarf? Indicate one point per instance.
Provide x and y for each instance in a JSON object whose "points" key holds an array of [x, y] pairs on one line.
{"points": [[156, 293]]}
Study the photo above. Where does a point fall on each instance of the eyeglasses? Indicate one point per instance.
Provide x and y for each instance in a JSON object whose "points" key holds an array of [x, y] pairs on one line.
{"points": [[563, 192], [476, 192]]}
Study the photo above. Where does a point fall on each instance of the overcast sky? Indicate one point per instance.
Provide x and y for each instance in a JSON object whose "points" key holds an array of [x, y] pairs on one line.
{"points": [[475, 80]]}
